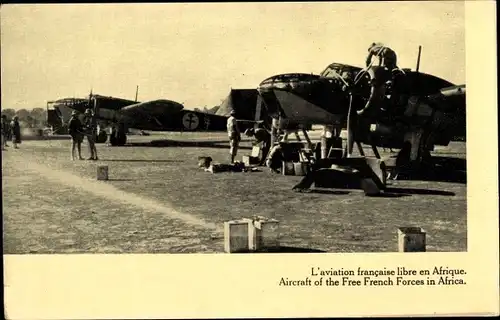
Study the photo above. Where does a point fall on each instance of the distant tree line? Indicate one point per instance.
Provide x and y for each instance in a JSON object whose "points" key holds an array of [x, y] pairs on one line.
{"points": [[34, 118]]}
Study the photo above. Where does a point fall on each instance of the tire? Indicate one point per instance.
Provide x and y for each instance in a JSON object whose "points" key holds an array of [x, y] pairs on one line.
{"points": [[112, 140], [102, 137], [122, 139], [118, 139]]}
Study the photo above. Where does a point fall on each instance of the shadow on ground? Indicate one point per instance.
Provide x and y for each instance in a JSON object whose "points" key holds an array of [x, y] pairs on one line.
{"points": [[284, 249], [142, 160], [47, 138], [325, 191], [220, 144], [388, 193], [445, 169], [400, 192]]}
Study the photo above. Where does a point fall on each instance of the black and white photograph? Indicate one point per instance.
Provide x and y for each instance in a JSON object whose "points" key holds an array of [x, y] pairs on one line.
{"points": [[234, 128], [125, 132]]}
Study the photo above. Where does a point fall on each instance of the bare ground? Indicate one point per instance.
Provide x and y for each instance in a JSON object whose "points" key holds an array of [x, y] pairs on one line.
{"points": [[157, 200]]}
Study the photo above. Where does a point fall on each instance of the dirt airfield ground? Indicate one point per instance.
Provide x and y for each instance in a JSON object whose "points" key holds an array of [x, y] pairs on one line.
{"points": [[158, 201]]}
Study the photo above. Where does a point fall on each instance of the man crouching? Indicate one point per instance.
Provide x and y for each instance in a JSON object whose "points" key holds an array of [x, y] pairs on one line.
{"points": [[263, 137]]}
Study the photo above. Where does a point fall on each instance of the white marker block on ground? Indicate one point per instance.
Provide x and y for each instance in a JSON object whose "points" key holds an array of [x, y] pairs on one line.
{"points": [[102, 173], [238, 235], [411, 239], [266, 234]]}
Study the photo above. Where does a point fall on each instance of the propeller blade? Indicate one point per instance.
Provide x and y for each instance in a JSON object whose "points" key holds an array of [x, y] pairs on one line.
{"points": [[351, 118]]}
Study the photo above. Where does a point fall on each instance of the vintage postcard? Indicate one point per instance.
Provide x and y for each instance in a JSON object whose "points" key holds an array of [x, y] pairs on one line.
{"points": [[214, 160]]}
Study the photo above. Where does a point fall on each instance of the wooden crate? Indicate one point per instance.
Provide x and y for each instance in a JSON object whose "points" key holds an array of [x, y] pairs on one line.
{"points": [[288, 168], [250, 160], [256, 151], [239, 235], [301, 168], [295, 168], [411, 239], [266, 234]]}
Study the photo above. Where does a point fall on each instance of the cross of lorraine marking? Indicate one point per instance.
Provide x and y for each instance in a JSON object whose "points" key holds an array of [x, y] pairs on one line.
{"points": [[189, 120]]}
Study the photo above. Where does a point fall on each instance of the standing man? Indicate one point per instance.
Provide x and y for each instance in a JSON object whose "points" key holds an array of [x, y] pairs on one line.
{"points": [[387, 57], [16, 131], [261, 136], [234, 135], [75, 130], [5, 131], [275, 131], [90, 129]]}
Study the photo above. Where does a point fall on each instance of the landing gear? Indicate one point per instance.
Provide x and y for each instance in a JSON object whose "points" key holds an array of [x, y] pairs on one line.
{"points": [[102, 137], [414, 160], [118, 137]]}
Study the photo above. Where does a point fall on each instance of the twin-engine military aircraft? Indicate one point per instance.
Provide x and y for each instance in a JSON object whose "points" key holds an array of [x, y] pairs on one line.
{"points": [[419, 110]]}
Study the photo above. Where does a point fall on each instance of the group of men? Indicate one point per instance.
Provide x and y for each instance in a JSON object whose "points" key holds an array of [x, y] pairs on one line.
{"points": [[380, 73], [12, 131], [78, 130], [261, 136]]}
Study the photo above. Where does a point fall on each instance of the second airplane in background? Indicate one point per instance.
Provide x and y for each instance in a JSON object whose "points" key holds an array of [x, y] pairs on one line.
{"points": [[155, 115]]}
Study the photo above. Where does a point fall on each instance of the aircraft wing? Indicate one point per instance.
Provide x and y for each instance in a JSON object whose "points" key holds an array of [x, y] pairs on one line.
{"points": [[150, 111], [143, 115]]}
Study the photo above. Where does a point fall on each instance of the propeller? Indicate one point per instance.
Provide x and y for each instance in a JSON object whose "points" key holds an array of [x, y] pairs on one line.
{"points": [[351, 120]]}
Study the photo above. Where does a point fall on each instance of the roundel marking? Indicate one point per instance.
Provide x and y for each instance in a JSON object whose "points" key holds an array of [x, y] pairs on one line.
{"points": [[190, 121]]}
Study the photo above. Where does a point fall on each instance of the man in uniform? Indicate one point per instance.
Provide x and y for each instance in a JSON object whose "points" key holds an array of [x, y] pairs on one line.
{"points": [[90, 132], [16, 131], [387, 57], [5, 131], [234, 135], [261, 136], [75, 130], [275, 131]]}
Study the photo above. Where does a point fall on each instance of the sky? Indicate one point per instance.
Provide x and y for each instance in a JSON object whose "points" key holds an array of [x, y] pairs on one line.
{"points": [[195, 53]]}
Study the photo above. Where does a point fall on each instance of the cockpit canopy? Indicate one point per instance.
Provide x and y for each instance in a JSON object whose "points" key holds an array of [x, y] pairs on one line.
{"points": [[289, 79], [336, 70]]}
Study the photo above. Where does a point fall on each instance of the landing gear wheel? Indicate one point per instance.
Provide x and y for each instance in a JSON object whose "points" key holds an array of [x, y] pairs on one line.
{"points": [[122, 139], [118, 139], [102, 137]]}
